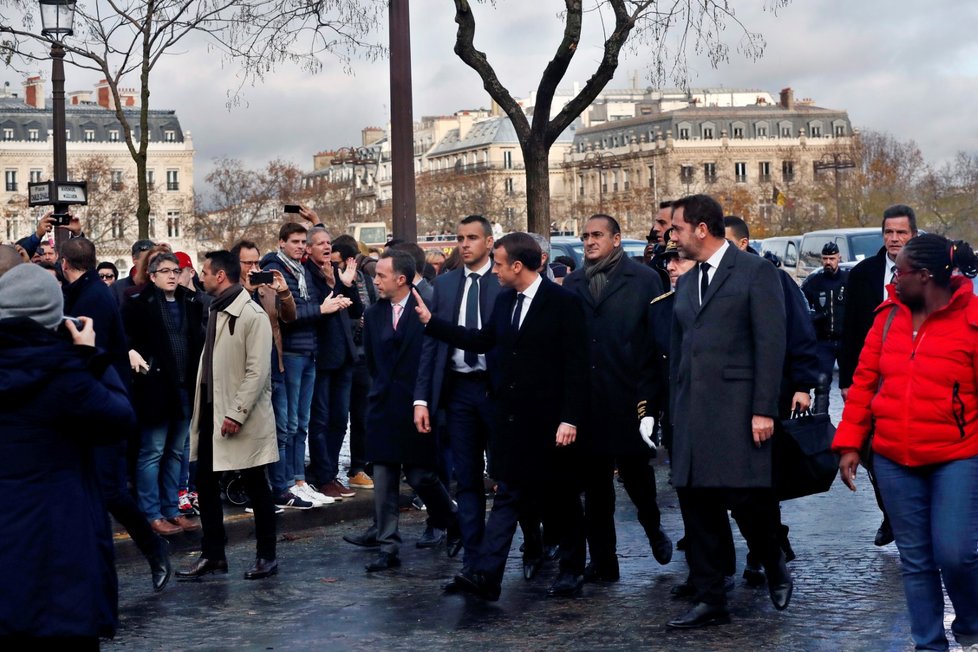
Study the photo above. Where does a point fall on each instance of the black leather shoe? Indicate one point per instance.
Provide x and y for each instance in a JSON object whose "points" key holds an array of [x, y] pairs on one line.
{"points": [[531, 567], [362, 540], [884, 535], [681, 544], [261, 569], [550, 553], [603, 572], [701, 615], [464, 582], [662, 548], [567, 585], [779, 583], [203, 566], [453, 541], [753, 572], [485, 587], [159, 564], [384, 561], [432, 538], [789, 554], [683, 591]]}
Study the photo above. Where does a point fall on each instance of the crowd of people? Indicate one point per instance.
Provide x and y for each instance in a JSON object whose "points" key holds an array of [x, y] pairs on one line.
{"points": [[159, 384]]}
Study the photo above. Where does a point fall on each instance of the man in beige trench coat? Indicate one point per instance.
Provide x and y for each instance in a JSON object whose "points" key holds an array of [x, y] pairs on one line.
{"points": [[233, 426]]}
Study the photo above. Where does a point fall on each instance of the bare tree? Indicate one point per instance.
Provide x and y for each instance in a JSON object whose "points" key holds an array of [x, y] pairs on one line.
{"points": [[120, 39], [948, 198], [669, 27]]}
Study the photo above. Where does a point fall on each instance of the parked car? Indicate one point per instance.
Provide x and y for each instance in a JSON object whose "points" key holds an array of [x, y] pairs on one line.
{"points": [[854, 245], [562, 245], [785, 247]]}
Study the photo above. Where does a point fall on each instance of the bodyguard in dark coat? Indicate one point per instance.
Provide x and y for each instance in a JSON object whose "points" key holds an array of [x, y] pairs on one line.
{"points": [[727, 353], [537, 361], [57, 400], [616, 292], [392, 337]]}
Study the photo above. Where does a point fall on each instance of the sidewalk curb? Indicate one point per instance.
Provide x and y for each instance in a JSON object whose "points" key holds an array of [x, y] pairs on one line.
{"points": [[240, 526]]}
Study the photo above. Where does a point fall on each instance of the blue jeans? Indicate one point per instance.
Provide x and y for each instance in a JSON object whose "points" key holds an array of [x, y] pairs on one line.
{"points": [[300, 376], [327, 422], [934, 516], [280, 473], [158, 465]]}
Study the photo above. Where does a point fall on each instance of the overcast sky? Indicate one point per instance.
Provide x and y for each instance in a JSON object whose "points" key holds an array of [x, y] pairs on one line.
{"points": [[906, 67]]}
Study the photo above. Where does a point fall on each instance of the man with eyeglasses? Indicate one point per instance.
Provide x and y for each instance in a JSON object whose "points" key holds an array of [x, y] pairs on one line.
{"points": [[164, 323]]}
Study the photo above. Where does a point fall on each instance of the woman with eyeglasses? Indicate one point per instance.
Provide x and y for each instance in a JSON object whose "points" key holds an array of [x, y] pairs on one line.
{"points": [[108, 272], [914, 392]]}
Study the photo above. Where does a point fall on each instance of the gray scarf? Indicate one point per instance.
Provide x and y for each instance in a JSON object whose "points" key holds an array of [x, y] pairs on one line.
{"points": [[298, 272], [597, 272]]}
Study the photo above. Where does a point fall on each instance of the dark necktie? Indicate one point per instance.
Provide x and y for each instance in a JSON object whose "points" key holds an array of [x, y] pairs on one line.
{"points": [[892, 274], [704, 280], [472, 315], [518, 311]]}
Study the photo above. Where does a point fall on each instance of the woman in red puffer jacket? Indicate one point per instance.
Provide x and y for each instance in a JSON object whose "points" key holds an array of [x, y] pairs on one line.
{"points": [[916, 390]]}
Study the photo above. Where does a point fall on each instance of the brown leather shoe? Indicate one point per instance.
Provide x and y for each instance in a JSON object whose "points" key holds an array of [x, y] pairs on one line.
{"points": [[337, 490], [164, 527], [185, 523], [345, 491]]}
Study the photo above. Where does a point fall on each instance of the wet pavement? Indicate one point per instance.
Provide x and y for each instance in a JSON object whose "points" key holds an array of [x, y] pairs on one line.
{"points": [[847, 595]]}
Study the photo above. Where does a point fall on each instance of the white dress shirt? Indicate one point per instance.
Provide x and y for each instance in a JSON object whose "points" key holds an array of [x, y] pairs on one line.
{"points": [[528, 295], [458, 355], [888, 270]]}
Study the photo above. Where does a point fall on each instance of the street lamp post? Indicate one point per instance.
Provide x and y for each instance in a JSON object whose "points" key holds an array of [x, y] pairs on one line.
{"points": [[57, 19], [835, 161], [353, 156]]}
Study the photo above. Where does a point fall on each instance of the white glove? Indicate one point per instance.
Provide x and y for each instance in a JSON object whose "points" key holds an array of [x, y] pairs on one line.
{"points": [[646, 428]]}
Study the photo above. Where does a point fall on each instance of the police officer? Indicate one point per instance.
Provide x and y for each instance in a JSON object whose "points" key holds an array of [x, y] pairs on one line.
{"points": [[825, 291]]}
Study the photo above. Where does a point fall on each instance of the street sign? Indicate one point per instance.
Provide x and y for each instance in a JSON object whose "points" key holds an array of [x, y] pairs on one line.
{"points": [[38, 193], [46, 193]]}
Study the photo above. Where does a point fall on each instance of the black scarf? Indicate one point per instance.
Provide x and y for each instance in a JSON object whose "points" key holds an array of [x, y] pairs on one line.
{"points": [[597, 272], [220, 302]]}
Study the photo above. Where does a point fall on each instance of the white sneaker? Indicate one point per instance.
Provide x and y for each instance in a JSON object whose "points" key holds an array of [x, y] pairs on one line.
{"points": [[307, 492]]}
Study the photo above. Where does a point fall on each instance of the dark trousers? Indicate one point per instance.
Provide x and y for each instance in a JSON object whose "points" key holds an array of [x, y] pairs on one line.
{"points": [[425, 482], [559, 498], [599, 501], [209, 497], [110, 467], [327, 421], [709, 542], [359, 389], [470, 418]]}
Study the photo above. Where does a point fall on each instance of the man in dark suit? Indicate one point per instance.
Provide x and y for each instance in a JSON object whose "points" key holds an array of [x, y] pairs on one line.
{"points": [[536, 325], [455, 383], [727, 350], [865, 291], [392, 338], [616, 292]]}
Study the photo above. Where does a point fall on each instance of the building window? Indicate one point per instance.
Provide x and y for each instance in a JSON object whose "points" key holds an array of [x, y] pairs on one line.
{"points": [[118, 230], [152, 226], [710, 172], [116, 179], [114, 135], [10, 176], [67, 134], [172, 180], [36, 175], [651, 176], [173, 224], [738, 132], [816, 131], [510, 214], [762, 131], [788, 171], [580, 186], [32, 134], [170, 136], [764, 171], [840, 131], [684, 133], [740, 172], [686, 173], [508, 159], [786, 131], [708, 133], [151, 179], [765, 211], [8, 134], [89, 135], [508, 185], [10, 230]]}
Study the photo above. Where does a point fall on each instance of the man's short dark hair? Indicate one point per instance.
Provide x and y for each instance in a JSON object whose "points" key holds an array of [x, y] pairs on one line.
{"points": [[567, 261], [901, 210], [612, 223], [478, 219], [737, 225], [701, 208], [402, 262], [412, 250], [520, 246], [226, 262], [79, 253], [666, 204], [345, 250], [290, 228], [347, 239], [243, 244]]}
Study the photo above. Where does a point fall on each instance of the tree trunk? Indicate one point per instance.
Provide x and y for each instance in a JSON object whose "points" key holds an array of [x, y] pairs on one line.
{"points": [[536, 158]]}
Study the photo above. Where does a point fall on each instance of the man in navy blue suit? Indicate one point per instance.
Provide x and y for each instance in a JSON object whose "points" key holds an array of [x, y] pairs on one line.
{"points": [[455, 384], [536, 326]]}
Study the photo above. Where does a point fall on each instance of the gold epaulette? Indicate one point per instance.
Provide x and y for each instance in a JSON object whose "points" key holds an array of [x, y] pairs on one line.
{"points": [[641, 409], [662, 296]]}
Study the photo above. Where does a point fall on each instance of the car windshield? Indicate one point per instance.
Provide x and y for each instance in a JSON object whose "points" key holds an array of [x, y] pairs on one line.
{"points": [[864, 245]]}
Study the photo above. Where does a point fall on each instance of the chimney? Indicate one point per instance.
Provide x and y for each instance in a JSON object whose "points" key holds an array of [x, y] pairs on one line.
{"points": [[128, 96], [370, 135], [104, 95], [465, 121], [788, 99], [79, 97], [34, 92]]}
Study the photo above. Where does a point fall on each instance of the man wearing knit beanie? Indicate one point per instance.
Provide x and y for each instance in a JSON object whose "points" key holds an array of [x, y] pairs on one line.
{"points": [[30, 291]]}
